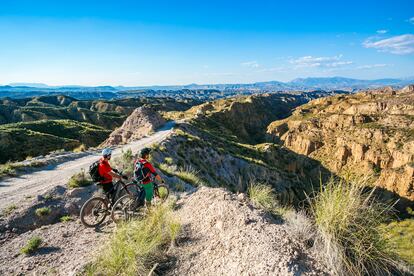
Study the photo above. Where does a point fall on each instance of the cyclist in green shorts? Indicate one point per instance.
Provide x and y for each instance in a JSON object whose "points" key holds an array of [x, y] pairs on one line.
{"points": [[145, 173]]}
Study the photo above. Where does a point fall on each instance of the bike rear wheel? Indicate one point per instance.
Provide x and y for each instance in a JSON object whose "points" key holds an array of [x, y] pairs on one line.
{"points": [[126, 208], [94, 211], [161, 193]]}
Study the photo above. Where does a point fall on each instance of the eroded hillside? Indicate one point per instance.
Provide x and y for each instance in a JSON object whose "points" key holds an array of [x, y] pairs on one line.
{"points": [[223, 141], [371, 132], [36, 126]]}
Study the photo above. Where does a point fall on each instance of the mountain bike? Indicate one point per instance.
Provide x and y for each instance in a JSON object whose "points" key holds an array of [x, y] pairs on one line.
{"points": [[95, 210], [132, 206]]}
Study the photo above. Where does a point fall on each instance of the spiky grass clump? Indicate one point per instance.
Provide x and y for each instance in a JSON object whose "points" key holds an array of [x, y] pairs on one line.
{"points": [[262, 196], [348, 221], [31, 246], [43, 211], [137, 245], [187, 174], [66, 218], [190, 175], [9, 210], [401, 236]]}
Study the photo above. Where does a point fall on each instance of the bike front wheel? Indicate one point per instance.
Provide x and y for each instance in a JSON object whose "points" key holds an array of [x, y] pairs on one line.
{"points": [[126, 208], [94, 211], [161, 193]]}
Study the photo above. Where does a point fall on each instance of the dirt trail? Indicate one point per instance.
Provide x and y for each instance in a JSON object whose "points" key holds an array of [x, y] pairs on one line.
{"points": [[13, 190], [224, 235]]}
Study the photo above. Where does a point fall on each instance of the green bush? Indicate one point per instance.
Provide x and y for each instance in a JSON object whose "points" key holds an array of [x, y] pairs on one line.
{"points": [[31, 246], [348, 222], [137, 245], [43, 211], [79, 180]]}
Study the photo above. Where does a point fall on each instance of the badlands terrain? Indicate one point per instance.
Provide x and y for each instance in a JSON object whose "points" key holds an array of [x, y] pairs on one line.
{"points": [[213, 155]]}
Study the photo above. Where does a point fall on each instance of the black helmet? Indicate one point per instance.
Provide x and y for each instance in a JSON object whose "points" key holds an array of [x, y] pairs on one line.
{"points": [[145, 151]]}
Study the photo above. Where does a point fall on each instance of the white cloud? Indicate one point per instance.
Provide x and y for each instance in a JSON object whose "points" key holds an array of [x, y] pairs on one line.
{"points": [[411, 20], [400, 45], [310, 61], [382, 31], [372, 66], [250, 64], [272, 69]]}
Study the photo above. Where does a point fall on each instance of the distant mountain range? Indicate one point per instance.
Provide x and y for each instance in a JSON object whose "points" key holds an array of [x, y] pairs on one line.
{"points": [[21, 90]]}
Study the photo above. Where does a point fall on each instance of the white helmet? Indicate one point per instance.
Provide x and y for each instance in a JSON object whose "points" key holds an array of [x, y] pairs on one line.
{"points": [[106, 152]]}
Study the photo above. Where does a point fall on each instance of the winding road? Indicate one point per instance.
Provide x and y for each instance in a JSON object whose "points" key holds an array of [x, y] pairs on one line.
{"points": [[16, 189]]}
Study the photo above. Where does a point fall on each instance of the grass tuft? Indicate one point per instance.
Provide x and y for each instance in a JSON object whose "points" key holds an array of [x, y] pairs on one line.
{"points": [[9, 210], [262, 196], [81, 148], [44, 211], [348, 222], [79, 180], [66, 218], [31, 246], [187, 174], [137, 245], [190, 175], [401, 237]]}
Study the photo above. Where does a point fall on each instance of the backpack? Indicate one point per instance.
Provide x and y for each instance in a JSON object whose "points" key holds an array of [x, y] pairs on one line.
{"points": [[140, 171], [94, 172]]}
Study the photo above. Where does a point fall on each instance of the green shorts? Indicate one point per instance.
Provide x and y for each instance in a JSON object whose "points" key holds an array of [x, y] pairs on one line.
{"points": [[149, 191]]}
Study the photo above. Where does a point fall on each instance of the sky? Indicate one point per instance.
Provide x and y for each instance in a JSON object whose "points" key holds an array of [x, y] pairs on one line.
{"points": [[136, 43]]}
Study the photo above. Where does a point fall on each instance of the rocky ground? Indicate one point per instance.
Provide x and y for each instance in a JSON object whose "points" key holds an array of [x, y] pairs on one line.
{"points": [[225, 235], [66, 249], [222, 235], [66, 246]]}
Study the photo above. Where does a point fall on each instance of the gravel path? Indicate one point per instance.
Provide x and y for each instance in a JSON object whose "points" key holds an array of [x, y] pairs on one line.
{"points": [[16, 189]]}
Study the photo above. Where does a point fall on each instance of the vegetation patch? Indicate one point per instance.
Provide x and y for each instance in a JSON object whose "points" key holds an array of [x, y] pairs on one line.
{"points": [[125, 162], [43, 211], [9, 210], [66, 218], [348, 221], [401, 238], [262, 196], [32, 245], [137, 245], [79, 180], [187, 174]]}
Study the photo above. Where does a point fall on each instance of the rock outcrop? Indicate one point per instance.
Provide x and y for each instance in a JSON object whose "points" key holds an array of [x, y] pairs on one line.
{"points": [[140, 123], [371, 132]]}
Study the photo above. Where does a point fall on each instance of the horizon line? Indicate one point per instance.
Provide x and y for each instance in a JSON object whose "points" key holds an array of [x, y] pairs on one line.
{"points": [[27, 84]]}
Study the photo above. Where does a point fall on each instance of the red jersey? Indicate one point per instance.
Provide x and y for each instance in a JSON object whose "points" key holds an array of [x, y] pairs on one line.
{"points": [[104, 169], [148, 170]]}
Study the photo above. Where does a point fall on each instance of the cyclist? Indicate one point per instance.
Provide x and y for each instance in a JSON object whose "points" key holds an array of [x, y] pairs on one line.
{"points": [[145, 173], [107, 173]]}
